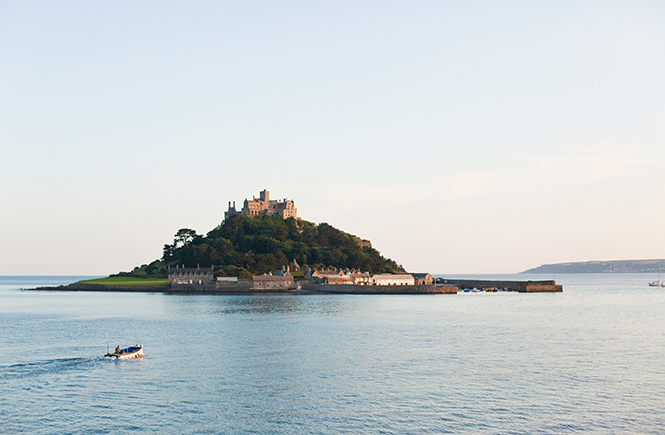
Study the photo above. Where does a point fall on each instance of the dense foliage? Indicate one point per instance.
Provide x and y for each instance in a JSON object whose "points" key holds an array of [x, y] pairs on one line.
{"points": [[243, 245]]}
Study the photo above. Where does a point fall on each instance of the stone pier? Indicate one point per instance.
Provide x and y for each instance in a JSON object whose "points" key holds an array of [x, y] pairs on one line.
{"points": [[516, 286], [438, 289]]}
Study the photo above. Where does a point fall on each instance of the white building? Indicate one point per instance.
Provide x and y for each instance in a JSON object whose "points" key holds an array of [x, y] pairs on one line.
{"points": [[393, 279]]}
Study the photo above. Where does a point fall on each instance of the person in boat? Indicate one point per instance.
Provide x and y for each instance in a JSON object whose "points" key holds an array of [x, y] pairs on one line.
{"points": [[117, 350]]}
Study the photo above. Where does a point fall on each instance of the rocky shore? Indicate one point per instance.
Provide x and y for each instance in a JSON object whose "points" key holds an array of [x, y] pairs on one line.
{"points": [[83, 287]]}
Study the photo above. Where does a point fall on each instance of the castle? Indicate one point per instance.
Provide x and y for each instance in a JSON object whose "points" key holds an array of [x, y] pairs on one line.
{"points": [[264, 206]]}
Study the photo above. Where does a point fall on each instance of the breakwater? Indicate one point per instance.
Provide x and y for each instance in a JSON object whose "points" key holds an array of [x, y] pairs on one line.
{"points": [[546, 286], [381, 289]]}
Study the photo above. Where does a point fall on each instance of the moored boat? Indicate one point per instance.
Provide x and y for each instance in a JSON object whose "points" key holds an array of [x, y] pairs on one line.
{"points": [[658, 283], [132, 352]]}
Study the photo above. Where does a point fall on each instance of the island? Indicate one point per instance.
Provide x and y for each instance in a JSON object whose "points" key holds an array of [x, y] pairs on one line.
{"points": [[266, 248]]}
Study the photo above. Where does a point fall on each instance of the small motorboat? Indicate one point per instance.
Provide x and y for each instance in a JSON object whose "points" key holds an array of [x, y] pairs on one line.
{"points": [[658, 283], [132, 352]]}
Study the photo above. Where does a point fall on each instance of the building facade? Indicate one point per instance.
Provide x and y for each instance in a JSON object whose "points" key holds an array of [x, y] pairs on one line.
{"points": [[339, 277], [423, 278], [360, 278], [320, 276], [274, 282], [393, 279], [181, 276], [264, 206]]}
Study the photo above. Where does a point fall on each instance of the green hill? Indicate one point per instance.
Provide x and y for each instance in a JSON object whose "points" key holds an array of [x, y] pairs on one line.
{"points": [[244, 245]]}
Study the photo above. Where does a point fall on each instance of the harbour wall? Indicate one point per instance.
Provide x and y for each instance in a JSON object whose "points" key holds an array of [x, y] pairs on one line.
{"points": [[381, 289], [546, 286]]}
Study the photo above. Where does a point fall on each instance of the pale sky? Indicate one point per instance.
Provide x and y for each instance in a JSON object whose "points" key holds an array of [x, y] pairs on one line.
{"points": [[458, 136]]}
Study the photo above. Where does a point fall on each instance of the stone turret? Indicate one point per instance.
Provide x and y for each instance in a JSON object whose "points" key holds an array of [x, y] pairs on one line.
{"points": [[264, 206]]}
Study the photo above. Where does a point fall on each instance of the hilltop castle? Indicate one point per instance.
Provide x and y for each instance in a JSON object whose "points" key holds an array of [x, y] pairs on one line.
{"points": [[264, 206]]}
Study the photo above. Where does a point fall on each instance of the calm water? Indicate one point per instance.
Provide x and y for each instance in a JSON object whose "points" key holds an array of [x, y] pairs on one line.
{"points": [[591, 359]]}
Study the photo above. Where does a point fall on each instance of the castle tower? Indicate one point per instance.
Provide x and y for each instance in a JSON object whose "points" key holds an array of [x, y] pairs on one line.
{"points": [[264, 195]]}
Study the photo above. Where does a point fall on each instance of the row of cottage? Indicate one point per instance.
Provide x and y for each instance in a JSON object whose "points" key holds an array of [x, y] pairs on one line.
{"points": [[356, 277], [283, 279]]}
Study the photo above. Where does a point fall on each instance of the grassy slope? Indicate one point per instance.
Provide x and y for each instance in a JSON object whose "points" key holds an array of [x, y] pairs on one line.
{"points": [[126, 280]]}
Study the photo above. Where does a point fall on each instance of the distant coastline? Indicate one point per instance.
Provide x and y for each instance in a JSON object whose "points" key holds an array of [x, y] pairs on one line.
{"points": [[616, 266]]}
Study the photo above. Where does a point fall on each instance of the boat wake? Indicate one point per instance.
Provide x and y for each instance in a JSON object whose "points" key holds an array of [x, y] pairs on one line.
{"points": [[48, 367]]}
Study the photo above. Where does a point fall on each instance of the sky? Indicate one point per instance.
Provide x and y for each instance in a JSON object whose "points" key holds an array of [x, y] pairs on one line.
{"points": [[457, 136]]}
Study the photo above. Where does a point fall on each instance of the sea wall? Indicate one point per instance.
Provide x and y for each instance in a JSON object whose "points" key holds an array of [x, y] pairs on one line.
{"points": [[381, 289], [241, 284], [543, 288], [234, 291], [517, 286]]}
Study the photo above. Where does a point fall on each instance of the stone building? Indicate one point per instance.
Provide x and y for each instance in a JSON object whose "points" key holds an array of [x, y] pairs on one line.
{"points": [[181, 276], [264, 206], [282, 281], [320, 276], [339, 277], [338, 280], [360, 278], [423, 278], [284, 271]]}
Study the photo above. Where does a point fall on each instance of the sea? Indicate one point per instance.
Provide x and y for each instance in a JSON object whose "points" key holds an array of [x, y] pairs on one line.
{"points": [[589, 360]]}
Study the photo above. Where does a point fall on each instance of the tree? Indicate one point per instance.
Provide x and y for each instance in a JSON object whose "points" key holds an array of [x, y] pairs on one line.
{"points": [[168, 251], [183, 236], [245, 245]]}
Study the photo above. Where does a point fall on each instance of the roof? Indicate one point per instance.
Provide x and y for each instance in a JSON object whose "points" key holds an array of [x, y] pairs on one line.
{"points": [[420, 275], [324, 273], [359, 274], [272, 278], [191, 270]]}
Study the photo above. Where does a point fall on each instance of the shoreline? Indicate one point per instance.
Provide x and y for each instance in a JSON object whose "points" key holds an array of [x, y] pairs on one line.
{"points": [[445, 286], [304, 290]]}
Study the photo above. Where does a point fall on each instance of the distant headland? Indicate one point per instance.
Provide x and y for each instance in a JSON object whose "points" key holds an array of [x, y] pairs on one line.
{"points": [[616, 266]]}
